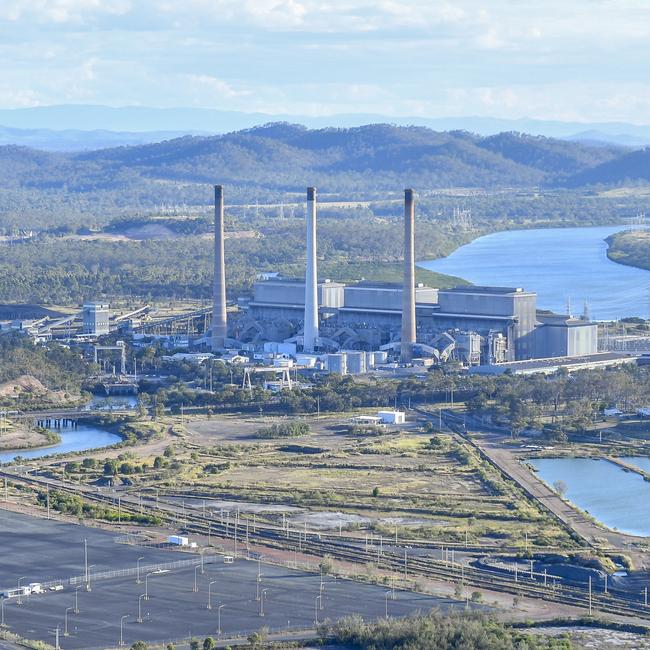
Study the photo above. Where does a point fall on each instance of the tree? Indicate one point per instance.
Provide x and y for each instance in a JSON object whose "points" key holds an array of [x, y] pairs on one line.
{"points": [[375, 492], [158, 462], [110, 468], [209, 643], [139, 645], [195, 645], [560, 487]]}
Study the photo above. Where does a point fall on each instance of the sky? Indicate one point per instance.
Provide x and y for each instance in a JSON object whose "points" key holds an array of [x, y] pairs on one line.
{"points": [[572, 60]]}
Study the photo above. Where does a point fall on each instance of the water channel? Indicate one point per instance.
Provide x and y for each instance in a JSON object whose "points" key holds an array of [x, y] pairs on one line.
{"points": [[617, 498], [72, 439], [560, 264]]}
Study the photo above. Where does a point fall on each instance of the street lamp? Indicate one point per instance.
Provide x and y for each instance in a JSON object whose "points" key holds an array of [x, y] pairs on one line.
{"points": [[219, 619], [140, 597], [2, 611], [210, 594], [262, 597], [20, 602], [65, 620], [388, 593], [138, 581], [86, 563], [196, 587], [146, 586], [76, 599], [316, 607], [88, 576], [121, 626]]}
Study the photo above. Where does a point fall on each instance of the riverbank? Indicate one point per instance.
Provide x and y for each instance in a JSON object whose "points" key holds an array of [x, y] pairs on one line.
{"points": [[19, 437], [630, 247]]}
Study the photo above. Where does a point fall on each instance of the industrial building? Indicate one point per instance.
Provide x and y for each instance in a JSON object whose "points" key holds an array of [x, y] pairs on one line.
{"points": [[472, 324], [476, 325], [96, 318]]}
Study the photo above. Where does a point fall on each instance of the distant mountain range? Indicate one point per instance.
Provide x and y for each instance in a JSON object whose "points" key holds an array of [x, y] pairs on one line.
{"points": [[85, 127], [80, 140], [279, 158]]}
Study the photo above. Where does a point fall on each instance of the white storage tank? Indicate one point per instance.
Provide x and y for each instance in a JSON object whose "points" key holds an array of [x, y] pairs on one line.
{"points": [[337, 363], [306, 360], [381, 357], [356, 362]]}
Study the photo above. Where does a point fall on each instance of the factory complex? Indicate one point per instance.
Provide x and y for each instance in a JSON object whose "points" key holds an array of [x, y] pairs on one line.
{"points": [[345, 328], [351, 328]]}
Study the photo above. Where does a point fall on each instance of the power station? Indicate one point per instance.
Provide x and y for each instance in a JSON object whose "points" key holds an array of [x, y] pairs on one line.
{"points": [[472, 324]]}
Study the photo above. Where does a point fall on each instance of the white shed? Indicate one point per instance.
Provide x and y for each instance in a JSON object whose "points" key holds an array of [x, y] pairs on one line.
{"points": [[392, 417]]}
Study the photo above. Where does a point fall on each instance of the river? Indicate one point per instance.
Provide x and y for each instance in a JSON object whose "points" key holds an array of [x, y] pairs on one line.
{"points": [[72, 439], [618, 499], [560, 264]]}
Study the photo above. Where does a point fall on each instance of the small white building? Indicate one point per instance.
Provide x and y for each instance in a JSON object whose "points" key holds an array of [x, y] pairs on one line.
{"points": [[392, 417], [612, 412]]}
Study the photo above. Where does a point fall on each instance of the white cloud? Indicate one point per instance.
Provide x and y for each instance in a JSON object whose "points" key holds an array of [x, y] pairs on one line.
{"points": [[424, 57]]}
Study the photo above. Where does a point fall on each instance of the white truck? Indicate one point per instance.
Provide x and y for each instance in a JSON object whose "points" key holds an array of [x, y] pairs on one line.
{"points": [[178, 540]]}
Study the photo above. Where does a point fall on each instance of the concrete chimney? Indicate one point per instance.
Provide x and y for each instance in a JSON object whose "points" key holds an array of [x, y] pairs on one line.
{"points": [[408, 291], [311, 276], [219, 322]]}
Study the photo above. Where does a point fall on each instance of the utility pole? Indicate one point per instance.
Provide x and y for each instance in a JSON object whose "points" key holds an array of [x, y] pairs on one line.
{"points": [[86, 563]]}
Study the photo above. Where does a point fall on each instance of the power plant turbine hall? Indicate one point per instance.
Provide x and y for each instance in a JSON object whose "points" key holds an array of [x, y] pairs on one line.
{"points": [[408, 291], [311, 277], [219, 318]]}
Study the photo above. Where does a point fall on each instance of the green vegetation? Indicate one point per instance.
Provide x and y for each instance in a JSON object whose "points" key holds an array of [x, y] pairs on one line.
{"points": [[456, 632], [631, 248], [74, 505], [56, 367], [266, 163], [285, 430], [560, 404]]}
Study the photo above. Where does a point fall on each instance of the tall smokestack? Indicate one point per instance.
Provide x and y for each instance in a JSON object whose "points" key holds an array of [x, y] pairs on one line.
{"points": [[311, 276], [219, 322], [408, 291]]}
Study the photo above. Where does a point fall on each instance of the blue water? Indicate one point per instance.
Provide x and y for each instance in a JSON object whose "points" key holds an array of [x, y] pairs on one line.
{"points": [[616, 498], [560, 264], [79, 439]]}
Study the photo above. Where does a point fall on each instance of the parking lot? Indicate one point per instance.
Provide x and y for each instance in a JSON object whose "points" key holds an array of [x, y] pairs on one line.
{"points": [[43, 550]]}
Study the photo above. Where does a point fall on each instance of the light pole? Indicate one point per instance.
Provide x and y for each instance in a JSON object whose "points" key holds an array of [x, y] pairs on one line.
{"points": [[259, 577], [2, 612], [262, 597], [121, 628], [219, 619], [146, 586], [88, 588], [196, 587], [316, 606], [65, 620], [140, 597], [210, 594], [388, 593], [20, 602], [138, 581], [86, 563], [76, 599]]}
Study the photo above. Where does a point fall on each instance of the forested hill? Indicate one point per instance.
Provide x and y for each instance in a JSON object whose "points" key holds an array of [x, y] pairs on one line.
{"points": [[631, 167], [265, 162]]}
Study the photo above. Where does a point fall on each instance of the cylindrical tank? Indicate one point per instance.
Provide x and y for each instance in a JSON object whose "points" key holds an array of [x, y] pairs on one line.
{"points": [[356, 362], [337, 363]]}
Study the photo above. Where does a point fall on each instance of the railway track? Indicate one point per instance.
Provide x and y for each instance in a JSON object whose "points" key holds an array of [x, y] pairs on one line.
{"points": [[354, 551]]}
